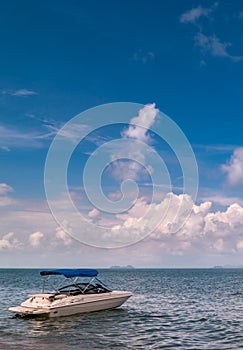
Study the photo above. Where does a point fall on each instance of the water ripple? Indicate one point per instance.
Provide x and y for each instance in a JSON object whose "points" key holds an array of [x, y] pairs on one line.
{"points": [[170, 309]]}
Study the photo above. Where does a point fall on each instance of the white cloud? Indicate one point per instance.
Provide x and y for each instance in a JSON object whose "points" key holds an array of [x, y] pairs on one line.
{"points": [[215, 149], [63, 236], [214, 46], [5, 200], [25, 219], [72, 132], [234, 169], [142, 218], [11, 137], [23, 93], [139, 125], [8, 242], [4, 189], [94, 213], [35, 239], [194, 14], [127, 169], [5, 148], [208, 43], [225, 224], [127, 162], [204, 231]]}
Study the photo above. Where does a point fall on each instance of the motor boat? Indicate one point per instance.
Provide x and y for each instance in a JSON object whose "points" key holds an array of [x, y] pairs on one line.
{"points": [[79, 291]]}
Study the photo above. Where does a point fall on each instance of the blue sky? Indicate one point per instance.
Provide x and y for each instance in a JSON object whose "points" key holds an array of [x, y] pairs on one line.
{"points": [[60, 58]]}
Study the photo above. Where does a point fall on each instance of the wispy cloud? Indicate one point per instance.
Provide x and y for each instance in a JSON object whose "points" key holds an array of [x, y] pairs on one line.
{"points": [[20, 92], [5, 148], [143, 56], [213, 46], [215, 148], [194, 14], [209, 43], [11, 137], [71, 132], [24, 92]]}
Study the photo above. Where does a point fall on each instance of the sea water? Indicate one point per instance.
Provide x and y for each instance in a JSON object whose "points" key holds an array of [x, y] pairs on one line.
{"points": [[169, 309]]}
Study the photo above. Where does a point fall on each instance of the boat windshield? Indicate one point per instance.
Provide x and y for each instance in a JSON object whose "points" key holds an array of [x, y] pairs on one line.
{"points": [[73, 286], [92, 287]]}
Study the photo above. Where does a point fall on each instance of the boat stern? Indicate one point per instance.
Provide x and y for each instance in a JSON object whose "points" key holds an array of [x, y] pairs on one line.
{"points": [[27, 311]]}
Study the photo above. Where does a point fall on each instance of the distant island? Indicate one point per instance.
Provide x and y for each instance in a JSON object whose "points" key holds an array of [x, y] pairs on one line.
{"points": [[228, 267], [122, 267]]}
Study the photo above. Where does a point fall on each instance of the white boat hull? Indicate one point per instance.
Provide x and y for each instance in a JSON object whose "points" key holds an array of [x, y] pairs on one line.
{"points": [[40, 304]]}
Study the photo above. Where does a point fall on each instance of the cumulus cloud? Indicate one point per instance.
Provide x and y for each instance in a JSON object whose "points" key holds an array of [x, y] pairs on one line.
{"points": [[209, 231], [127, 162], [94, 213], [127, 169], [8, 242], [35, 239], [204, 231], [144, 217], [234, 169], [4, 188], [213, 45], [63, 236], [139, 125]]}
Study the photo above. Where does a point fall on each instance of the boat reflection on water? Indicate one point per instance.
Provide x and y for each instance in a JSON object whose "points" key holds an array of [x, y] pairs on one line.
{"points": [[79, 291]]}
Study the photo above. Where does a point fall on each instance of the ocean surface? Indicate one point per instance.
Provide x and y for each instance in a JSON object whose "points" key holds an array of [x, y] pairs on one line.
{"points": [[170, 309]]}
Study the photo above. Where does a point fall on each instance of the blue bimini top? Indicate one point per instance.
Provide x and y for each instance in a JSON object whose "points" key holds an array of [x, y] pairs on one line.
{"points": [[69, 273]]}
